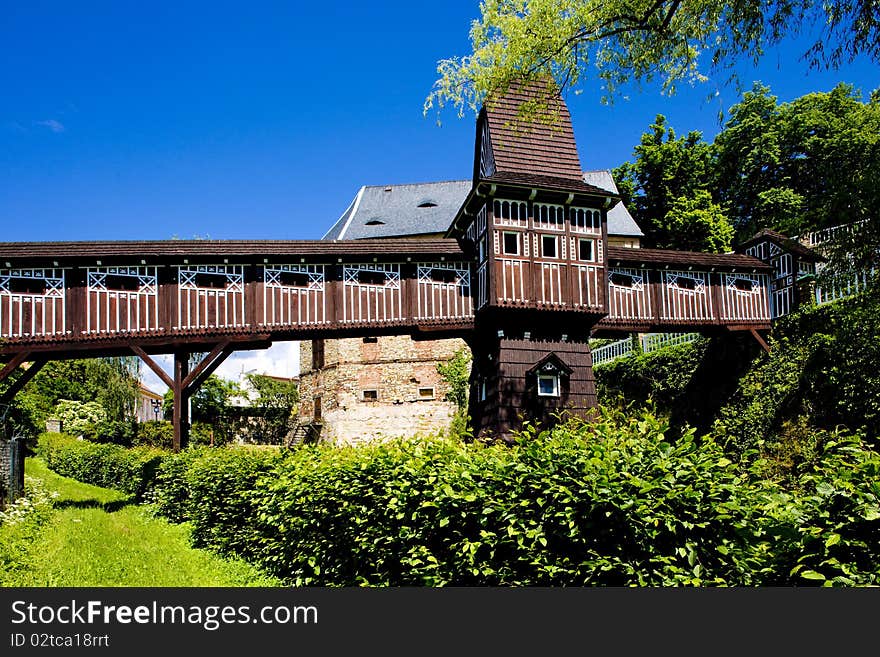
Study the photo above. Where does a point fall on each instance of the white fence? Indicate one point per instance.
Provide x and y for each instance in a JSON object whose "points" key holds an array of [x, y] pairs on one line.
{"points": [[649, 341]]}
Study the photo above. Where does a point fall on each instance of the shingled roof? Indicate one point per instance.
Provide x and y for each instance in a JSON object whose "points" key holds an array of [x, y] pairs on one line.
{"points": [[618, 255], [532, 147], [398, 210]]}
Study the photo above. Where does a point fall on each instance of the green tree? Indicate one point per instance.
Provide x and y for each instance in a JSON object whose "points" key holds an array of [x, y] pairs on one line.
{"points": [[456, 373], [666, 168], [621, 41], [696, 223], [275, 402], [209, 404]]}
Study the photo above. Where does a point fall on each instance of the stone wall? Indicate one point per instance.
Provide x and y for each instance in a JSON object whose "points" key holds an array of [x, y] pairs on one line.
{"points": [[376, 388]]}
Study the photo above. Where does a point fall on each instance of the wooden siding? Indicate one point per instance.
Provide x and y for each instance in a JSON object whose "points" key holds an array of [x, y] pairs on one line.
{"points": [[294, 295], [372, 293], [744, 297], [685, 297], [629, 294], [122, 299], [444, 291], [210, 296], [32, 302]]}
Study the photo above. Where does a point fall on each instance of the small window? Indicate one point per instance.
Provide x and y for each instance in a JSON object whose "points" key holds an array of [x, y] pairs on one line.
{"points": [[122, 283], [743, 284], [371, 340], [482, 249], [427, 204], [548, 246], [375, 221], [621, 280], [585, 250], [548, 385], [426, 393], [685, 283], [482, 389], [317, 354], [27, 286], [317, 413], [511, 243], [211, 281], [294, 279], [370, 395], [366, 277], [447, 276]]}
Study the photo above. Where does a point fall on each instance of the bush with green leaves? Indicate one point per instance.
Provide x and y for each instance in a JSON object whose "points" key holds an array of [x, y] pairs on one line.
{"points": [[155, 433], [608, 502], [78, 417], [130, 470]]}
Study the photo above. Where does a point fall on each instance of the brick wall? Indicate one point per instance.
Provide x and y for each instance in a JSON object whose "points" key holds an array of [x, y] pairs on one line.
{"points": [[377, 388]]}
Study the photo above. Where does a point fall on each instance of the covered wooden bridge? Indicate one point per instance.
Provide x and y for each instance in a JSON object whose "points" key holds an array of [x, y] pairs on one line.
{"points": [[524, 274]]}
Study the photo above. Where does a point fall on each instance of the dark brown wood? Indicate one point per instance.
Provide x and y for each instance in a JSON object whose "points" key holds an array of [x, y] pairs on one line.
{"points": [[761, 341], [153, 365], [26, 375], [195, 380], [180, 414], [14, 362], [204, 364]]}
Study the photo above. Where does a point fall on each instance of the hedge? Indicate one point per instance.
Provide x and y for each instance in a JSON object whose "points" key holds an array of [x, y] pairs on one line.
{"points": [[130, 470], [608, 503]]}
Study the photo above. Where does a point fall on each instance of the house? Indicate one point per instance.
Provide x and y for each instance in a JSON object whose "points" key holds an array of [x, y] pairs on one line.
{"points": [[363, 389], [149, 404]]}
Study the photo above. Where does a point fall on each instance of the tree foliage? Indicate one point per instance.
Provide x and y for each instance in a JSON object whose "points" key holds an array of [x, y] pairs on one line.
{"points": [[622, 41]]}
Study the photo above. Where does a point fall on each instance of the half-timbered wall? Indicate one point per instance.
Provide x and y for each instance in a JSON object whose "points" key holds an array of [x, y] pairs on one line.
{"points": [[294, 295], [372, 293], [444, 291], [122, 299], [210, 296], [744, 297], [32, 302], [629, 294], [685, 296]]}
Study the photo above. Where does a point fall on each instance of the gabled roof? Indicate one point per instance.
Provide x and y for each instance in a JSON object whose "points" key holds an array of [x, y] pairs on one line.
{"points": [[620, 221], [549, 362], [540, 147], [398, 210], [783, 241]]}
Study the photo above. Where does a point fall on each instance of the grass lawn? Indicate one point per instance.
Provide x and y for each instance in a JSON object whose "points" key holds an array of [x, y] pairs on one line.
{"points": [[96, 537]]}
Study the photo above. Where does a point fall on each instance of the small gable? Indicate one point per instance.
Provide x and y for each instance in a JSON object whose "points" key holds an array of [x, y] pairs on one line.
{"points": [[550, 364]]}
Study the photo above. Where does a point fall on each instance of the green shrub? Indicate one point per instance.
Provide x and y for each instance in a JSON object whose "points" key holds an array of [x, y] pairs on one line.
{"points": [[155, 433], [170, 494], [130, 470]]}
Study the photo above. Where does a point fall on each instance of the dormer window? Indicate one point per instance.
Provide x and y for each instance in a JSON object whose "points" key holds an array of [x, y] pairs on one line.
{"points": [[427, 204], [548, 385], [375, 221]]}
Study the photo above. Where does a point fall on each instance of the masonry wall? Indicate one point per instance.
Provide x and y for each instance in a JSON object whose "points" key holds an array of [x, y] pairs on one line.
{"points": [[376, 388]]}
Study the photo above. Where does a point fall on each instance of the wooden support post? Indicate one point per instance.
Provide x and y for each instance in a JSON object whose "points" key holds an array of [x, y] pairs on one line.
{"points": [[22, 380], [760, 340], [13, 364], [180, 415]]}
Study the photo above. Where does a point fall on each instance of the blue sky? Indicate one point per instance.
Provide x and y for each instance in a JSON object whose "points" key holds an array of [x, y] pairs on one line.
{"points": [[124, 120]]}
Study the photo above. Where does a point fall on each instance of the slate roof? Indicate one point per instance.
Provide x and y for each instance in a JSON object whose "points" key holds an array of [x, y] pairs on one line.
{"points": [[532, 147], [620, 221], [393, 210], [784, 241]]}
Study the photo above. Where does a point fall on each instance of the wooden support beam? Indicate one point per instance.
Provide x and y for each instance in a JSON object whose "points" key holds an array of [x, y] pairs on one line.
{"points": [[197, 381], [153, 365], [22, 381], [760, 340], [180, 414], [13, 364], [206, 363]]}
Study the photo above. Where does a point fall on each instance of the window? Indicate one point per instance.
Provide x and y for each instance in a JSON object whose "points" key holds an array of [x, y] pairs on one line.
{"points": [[621, 280], [511, 243], [366, 277], [371, 340], [482, 389], [426, 393], [743, 284], [585, 250], [370, 395], [317, 354], [482, 249], [548, 385], [684, 283], [317, 413], [548, 246], [446, 276]]}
